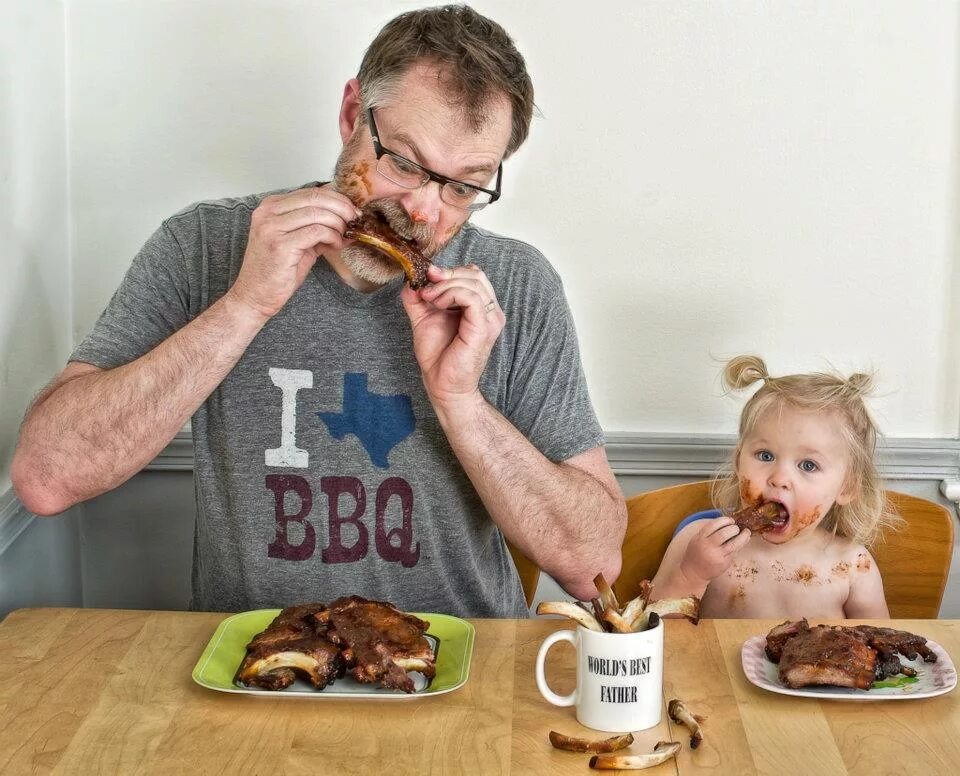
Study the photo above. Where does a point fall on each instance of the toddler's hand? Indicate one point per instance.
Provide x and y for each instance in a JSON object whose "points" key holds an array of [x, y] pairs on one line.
{"points": [[711, 551]]}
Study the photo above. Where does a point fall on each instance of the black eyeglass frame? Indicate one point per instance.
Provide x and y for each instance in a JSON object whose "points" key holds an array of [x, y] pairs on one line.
{"points": [[380, 150]]}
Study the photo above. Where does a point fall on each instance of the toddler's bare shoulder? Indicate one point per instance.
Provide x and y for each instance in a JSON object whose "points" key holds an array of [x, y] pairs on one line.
{"points": [[849, 555]]}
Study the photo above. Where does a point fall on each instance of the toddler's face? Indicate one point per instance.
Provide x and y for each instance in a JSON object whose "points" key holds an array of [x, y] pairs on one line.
{"points": [[799, 459]]}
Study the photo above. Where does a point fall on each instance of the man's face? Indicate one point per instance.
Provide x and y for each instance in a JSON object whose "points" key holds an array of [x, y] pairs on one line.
{"points": [[421, 125]]}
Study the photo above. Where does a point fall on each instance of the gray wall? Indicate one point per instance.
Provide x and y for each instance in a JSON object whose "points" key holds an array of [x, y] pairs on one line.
{"points": [[137, 543], [41, 567]]}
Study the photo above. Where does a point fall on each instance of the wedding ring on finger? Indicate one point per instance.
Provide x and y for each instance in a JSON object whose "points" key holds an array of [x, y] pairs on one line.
{"points": [[489, 306]]}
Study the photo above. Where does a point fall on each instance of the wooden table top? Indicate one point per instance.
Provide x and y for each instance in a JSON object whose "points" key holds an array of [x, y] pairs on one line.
{"points": [[110, 691]]}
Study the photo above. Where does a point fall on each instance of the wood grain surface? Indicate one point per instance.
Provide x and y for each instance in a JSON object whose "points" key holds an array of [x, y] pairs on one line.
{"points": [[89, 691]]}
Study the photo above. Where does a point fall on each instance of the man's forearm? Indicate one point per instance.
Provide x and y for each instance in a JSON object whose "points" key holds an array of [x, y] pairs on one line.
{"points": [[563, 518], [98, 429]]}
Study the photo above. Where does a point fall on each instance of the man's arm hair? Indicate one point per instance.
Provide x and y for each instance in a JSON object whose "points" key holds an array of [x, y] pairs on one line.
{"points": [[569, 517], [91, 429]]}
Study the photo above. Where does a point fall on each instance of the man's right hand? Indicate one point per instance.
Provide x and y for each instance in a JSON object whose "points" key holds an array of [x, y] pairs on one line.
{"points": [[287, 234]]}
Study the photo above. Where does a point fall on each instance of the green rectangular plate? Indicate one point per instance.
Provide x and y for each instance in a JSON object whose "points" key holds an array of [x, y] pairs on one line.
{"points": [[452, 640]]}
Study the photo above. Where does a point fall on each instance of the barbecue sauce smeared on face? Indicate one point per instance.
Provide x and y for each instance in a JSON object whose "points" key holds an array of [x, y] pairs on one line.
{"points": [[747, 494], [807, 519], [356, 185]]}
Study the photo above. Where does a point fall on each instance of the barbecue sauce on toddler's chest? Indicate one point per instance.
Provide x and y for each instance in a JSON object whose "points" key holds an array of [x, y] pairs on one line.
{"points": [[758, 586]]}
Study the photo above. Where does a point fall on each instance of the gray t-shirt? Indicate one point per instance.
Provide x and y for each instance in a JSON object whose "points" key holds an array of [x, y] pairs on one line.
{"points": [[320, 467]]}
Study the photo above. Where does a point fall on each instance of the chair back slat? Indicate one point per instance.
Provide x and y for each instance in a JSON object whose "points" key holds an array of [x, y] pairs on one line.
{"points": [[915, 561], [528, 570], [651, 520]]}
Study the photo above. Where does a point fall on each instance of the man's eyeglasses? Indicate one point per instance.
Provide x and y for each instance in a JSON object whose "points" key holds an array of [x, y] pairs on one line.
{"points": [[400, 170]]}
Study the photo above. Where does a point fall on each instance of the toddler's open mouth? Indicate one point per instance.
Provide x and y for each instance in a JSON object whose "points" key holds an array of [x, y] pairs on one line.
{"points": [[782, 518]]}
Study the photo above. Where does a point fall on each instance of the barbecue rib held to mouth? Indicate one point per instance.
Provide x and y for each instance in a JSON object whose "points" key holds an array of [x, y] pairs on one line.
{"points": [[373, 229], [761, 517]]}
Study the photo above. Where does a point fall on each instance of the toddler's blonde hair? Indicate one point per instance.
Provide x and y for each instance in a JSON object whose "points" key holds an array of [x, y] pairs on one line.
{"points": [[869, 512]]}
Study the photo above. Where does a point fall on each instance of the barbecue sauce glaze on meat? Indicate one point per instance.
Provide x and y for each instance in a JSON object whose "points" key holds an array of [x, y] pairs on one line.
{"points": [[761, 517], [825, 655], [372, 640], [843, 656], [373, 230], [291, 646], [378, 642]]}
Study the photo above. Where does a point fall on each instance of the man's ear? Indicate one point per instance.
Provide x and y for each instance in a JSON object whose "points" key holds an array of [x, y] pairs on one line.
{"points": [[350, 109]]}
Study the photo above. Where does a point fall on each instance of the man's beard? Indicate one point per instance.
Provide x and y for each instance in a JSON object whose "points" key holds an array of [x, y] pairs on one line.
{"points": [[363, 261]]}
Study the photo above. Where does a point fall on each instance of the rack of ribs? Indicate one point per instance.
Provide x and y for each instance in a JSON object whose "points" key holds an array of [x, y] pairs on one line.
{"points": [[292, 645], [378, 642], [843, 656], [372, 640], [910, 645]]}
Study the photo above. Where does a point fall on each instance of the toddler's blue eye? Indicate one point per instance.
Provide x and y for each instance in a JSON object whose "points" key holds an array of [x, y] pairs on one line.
{"points": [[808, 466], [765, 455]]}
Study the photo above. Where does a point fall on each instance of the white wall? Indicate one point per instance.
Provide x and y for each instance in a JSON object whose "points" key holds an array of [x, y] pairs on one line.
{"points": [[35, 308], [709, 178]]}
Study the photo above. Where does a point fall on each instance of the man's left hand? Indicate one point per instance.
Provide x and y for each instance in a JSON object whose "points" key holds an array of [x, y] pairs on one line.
{"points": [[455, 322]]}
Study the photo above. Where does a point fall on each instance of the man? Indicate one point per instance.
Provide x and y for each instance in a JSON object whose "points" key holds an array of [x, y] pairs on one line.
{"points": [[353, 435]]}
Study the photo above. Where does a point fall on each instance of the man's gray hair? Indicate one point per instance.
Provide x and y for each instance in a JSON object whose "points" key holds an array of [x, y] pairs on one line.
{"points": [[478, 63]]}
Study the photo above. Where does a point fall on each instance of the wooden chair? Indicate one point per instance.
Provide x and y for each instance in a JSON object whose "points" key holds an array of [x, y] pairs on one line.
{"points": [[913, 561], [529, 573], [651, 520]]}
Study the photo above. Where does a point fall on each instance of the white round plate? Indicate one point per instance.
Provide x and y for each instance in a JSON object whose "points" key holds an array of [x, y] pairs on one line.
{"points": [[932, 678]]}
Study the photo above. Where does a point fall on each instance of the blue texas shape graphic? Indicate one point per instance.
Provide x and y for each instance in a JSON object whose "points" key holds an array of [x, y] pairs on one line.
{"points": [[379, 422]]}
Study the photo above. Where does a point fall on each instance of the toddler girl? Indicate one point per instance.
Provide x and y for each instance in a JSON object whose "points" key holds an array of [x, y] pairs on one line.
{"points": [[807, 443]]}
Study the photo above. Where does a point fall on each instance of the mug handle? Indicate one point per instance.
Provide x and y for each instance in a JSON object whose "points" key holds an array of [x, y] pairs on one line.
{"points": [[546, 692]]}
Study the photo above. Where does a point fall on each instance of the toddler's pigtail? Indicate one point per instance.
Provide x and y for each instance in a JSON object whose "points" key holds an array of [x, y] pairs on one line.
{"points": [[743, 371], [860, 384]]}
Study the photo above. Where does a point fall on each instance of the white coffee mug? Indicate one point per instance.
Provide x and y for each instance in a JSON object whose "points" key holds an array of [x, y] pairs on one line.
{"points": [[619, 678]]}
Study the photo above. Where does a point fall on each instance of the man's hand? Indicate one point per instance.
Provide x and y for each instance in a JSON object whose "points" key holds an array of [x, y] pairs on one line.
{"points": [[712, 550], [455, 323], [287, 234]]}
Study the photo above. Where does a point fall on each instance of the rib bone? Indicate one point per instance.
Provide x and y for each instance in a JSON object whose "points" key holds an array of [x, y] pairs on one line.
{"points": [[263, 668], [683, 716], [607, 597], [666, 607], [572, 744], [662, 752], [571, 610], [617, 621]]}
